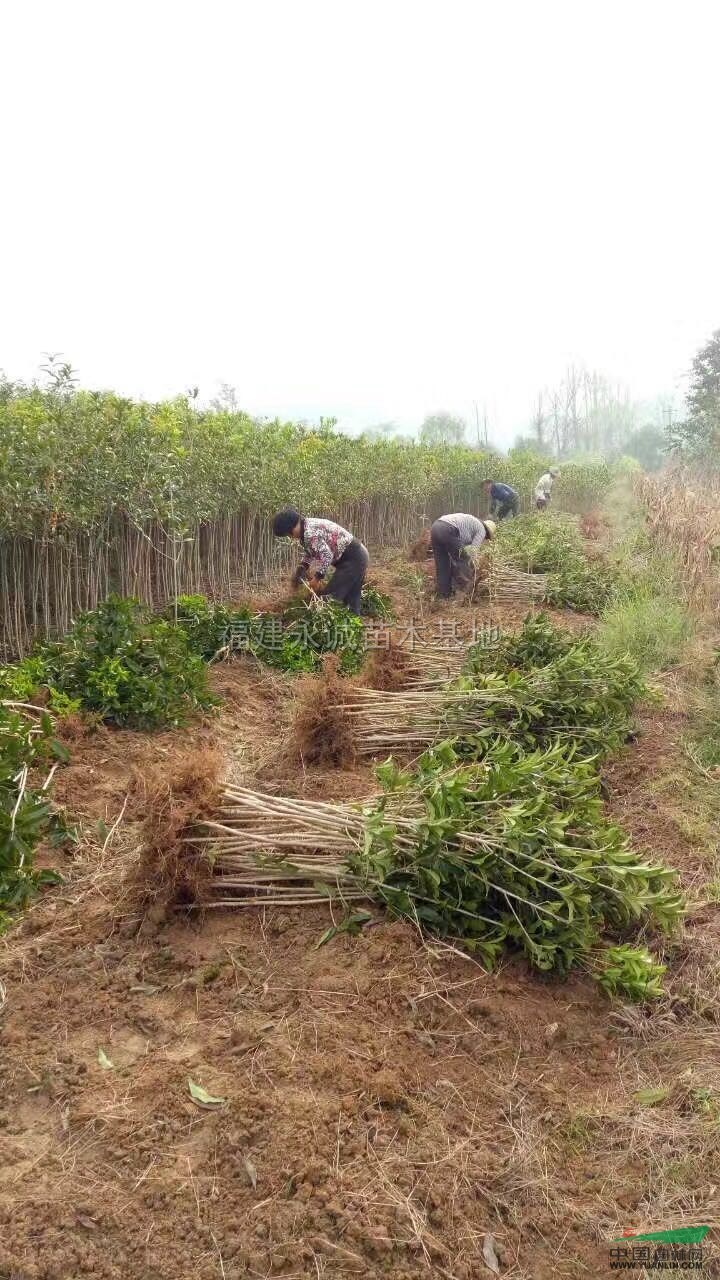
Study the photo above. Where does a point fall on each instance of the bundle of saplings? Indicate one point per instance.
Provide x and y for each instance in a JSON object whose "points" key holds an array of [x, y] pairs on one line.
{"points": [[537, 643], [510, 850], [533, 687], [551, 545], [293, 639], [376, 604], [209, 627]]}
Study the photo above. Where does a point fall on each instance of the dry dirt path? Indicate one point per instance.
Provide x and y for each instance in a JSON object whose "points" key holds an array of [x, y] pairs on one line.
{"points": [[388, 1105]]}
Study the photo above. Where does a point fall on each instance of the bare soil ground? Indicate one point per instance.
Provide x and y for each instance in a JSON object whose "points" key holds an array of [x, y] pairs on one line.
{"points": [[389, 1109]]}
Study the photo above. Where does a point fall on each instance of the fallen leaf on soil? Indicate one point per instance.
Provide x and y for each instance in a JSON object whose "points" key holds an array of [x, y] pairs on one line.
{"points": [[490, 1256], [652, 1097], [104, 1061], [198, 1094]]}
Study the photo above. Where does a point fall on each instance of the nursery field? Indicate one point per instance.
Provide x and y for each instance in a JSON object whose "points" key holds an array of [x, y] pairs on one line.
{"points": [[457, 1016]]}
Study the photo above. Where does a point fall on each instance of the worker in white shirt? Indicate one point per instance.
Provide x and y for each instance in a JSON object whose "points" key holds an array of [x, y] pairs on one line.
{"points": [[454, 538], [543, 488]]}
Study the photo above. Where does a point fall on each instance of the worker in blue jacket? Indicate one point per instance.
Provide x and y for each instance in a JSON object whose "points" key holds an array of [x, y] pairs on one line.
{"points": [[504, 501]]}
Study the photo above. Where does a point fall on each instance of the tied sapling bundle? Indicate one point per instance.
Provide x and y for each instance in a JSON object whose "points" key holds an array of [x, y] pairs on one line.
{"points": [[538, 643], [531, 688], [507, 851], [544, 557], [509, 585], [293, 640], [376, 604]]}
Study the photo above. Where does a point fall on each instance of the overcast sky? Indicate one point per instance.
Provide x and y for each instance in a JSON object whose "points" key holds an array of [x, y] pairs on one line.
{"points": [[365, 208]]}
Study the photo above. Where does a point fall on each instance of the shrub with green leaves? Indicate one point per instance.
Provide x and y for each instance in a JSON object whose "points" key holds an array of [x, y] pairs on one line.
{"points": [[26, 816], [128, 667], [208, 626], [295, 640], [375, 604], [629, 972]]}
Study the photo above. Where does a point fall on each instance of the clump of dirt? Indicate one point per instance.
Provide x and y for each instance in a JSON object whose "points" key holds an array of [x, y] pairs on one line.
{"points": [[77, 726], [388, 669], [323, 732], [593, 525], [171, 872], [421, 549]]}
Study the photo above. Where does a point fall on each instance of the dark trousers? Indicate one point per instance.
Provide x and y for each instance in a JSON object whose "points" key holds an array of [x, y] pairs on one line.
{"points": [[447, 550], [347, 580], [509, 507]]}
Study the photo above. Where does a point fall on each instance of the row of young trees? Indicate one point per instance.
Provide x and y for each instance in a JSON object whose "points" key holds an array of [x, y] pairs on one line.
{"points": [[101, 493]]}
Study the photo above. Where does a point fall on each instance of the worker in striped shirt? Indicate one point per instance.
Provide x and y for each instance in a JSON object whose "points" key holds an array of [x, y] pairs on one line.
{"points": [[453, 539]]}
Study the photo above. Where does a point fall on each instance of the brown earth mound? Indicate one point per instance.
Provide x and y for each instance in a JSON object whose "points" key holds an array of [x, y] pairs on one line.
{"points": [[169, 871], [388, 669], [421, 549]]}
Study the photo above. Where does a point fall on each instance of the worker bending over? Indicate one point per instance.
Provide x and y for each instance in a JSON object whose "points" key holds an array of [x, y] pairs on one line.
{"points": [[504, 500], [543, 488], [453, 539], [325, 544]]}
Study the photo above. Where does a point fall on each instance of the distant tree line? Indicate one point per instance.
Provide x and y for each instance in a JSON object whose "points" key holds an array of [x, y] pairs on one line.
{"points": [[697, 437]]}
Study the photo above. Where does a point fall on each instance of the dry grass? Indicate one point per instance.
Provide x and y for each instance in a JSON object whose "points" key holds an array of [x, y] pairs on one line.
{"points": [[683, 517], [593, 525], [322, 733], [420, 549], [389, 669]]}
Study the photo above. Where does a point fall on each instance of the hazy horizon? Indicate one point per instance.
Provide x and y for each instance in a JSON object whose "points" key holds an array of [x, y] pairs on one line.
{"points": [[370, 214]]}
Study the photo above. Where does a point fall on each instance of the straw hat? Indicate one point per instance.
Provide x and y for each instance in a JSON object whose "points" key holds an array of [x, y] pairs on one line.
{"points": [[491, 526]]}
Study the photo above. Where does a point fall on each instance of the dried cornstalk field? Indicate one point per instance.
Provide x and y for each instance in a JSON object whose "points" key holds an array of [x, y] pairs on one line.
{"points": [[683, 514]]}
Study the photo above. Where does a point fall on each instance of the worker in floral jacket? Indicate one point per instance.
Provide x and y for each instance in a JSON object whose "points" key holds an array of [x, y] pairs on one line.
{"points": [[326, 545]]}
